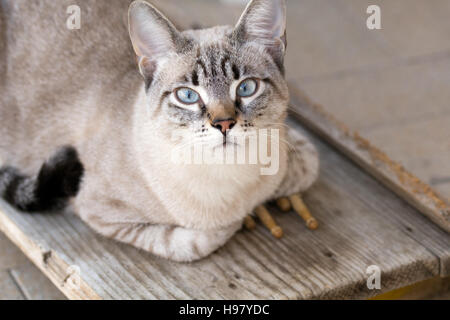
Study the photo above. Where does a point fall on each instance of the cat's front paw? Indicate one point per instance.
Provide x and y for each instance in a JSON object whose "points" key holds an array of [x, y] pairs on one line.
{"points": [[192, 245]]}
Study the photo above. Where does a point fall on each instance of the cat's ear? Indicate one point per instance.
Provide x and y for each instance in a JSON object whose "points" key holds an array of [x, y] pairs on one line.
{"points": [[264, 22], [153, 36]]}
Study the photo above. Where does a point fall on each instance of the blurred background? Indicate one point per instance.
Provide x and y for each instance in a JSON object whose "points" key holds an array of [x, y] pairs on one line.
{"points": [[392, 85]]}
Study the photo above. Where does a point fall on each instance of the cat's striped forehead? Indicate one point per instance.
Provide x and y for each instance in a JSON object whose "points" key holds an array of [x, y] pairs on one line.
{"points": [[215, 66], [217, 61]]}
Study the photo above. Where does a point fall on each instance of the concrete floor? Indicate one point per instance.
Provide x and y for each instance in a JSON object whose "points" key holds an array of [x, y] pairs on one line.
{"points": [[393, 85], [20, 279]]}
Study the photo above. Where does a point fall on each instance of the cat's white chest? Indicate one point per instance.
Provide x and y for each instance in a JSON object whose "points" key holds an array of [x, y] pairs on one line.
{"points": [[205, 197]]}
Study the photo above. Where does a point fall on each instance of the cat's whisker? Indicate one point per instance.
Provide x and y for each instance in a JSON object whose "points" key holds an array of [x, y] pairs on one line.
{"points": [[277, 124]]}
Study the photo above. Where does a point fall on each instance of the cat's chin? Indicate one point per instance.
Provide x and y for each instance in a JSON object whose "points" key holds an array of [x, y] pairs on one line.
{"points": [[228, 149], [227, 145]]}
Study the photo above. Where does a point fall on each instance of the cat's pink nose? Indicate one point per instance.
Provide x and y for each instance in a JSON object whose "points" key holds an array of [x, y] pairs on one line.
{"points": [[224, 125]]}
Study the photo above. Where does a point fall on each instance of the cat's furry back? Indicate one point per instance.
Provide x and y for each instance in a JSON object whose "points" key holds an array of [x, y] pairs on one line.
{"points": [[61, 86], [82, 88]]}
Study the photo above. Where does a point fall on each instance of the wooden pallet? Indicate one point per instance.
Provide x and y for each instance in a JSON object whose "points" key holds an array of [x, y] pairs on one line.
{"points": [[362, 223]]}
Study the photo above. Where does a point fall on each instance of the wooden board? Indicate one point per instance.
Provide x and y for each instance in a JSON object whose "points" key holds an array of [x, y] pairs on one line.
{"points": [[362, 224], [372, 159]]}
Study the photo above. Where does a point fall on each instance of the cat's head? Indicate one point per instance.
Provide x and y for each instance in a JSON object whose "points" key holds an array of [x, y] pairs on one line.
{"points": [[213, 84]]}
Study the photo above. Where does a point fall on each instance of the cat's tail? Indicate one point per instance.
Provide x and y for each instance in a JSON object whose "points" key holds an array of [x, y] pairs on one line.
{"points": [[58, 179]]}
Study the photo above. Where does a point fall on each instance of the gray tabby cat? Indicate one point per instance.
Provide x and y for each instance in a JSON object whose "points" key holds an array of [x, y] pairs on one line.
{"points": [[76, 96]]}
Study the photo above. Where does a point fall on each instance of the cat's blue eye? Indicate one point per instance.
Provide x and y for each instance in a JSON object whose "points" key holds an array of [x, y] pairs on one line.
{"points": [[187, 96], [247, 88]]}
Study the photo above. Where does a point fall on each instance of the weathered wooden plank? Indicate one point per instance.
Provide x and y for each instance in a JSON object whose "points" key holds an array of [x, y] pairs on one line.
{"points": [[57, 271], [362, 223], [372, 159]]}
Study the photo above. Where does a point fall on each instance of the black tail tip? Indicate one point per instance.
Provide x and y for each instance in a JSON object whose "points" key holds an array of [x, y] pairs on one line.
{"points": [[60, 177]]}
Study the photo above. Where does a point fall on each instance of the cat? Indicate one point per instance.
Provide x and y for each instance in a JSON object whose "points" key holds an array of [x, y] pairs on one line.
{"points": [[104, 102]]}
